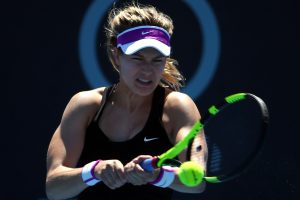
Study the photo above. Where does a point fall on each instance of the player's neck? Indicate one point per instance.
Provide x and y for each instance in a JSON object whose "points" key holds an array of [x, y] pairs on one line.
{"points": [[122, 96]]}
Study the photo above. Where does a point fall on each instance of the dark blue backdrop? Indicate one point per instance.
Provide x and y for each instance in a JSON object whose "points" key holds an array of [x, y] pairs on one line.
{"points": [[255, 49]]}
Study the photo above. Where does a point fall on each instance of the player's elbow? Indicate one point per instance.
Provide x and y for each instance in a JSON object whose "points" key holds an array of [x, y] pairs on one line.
{"points": [[198, 189], [192, 190], [51, 193], [202, 187]]}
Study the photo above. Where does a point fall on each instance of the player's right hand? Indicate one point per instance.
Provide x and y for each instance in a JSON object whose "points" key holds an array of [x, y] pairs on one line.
{"points": [[111, 172]]}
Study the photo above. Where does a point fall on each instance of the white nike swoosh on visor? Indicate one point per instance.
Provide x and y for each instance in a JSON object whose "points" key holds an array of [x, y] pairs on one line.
{"points": [[147, 32], [149, 139]]}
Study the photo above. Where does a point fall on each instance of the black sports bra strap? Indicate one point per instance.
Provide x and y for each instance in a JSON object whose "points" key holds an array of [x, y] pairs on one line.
{"points": [[107, 92]]}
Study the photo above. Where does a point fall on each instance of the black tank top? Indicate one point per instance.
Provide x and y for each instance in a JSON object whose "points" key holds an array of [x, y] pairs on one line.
{"points": [[151, 140]]}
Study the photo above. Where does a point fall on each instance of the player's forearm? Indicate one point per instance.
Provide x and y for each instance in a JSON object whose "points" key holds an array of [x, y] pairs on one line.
{"points": [[64, 183], [199, 157]]}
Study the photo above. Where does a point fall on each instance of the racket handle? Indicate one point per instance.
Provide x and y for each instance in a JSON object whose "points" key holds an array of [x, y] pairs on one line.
{"points": [[149, 164]]}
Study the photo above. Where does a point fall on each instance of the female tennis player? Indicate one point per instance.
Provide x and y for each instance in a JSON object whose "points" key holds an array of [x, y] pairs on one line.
{"points": [[106, 133]]}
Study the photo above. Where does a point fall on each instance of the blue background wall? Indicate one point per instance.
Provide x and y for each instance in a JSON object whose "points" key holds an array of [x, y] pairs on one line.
{"points": [[42, 67]]}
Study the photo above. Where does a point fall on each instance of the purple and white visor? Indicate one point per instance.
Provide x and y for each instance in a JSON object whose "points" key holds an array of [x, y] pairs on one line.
{"points": [[140, 37]]}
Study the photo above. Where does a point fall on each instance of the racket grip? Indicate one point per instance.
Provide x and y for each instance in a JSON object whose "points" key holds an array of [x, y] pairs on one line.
{"points": [[149, 164]]}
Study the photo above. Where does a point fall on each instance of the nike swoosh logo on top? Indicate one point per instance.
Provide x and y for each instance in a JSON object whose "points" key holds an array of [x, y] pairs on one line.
{"points": [[149, 139], [147, 32]]}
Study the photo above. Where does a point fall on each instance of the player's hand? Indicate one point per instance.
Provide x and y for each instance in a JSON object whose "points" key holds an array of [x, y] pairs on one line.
{"points": [[136, 175], [111, 172]]}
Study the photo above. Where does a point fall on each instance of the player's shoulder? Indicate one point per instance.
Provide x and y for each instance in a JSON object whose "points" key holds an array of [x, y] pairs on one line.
{"points": [[88, 98], [177, 99]]}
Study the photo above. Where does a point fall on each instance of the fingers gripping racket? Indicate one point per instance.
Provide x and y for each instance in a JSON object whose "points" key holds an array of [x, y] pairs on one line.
{"points": [[215, 176]]}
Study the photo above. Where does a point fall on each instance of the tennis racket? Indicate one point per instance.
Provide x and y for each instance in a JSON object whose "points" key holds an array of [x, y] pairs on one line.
{"points": [[235, 131]]}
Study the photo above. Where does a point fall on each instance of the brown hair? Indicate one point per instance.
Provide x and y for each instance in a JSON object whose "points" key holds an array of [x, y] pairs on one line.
{"points": [[135, 14]]}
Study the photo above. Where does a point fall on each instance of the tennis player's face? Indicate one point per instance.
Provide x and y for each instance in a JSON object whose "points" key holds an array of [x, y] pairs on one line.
{"points": [[142, 71]]}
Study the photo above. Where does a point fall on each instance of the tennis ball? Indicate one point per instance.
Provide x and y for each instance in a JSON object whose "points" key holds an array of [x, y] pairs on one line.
{"points": [[190, 173]]}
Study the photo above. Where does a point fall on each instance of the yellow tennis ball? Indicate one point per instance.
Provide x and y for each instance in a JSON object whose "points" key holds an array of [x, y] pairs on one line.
{"points": [[190, 173]]}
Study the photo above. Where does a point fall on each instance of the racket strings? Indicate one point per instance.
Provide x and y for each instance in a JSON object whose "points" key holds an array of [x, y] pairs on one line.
{"points": [[234, 139]]}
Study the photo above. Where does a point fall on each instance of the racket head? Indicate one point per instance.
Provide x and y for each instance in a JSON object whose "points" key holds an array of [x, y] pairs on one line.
{"points": [[235, 129]]}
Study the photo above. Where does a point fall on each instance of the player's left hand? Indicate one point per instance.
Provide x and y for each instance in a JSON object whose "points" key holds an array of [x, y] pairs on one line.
{"points": [[136, 175]]}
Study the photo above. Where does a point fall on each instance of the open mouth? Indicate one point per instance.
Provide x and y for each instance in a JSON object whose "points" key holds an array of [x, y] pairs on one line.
{"points": [[144, 81]]}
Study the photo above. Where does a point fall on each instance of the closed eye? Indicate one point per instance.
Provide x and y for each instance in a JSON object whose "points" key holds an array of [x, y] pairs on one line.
{"points": [[137, 58], [158, 60]]}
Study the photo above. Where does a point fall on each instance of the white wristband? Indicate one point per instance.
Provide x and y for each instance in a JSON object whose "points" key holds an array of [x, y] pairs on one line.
{"points": [[88, 175], [165, 177]]}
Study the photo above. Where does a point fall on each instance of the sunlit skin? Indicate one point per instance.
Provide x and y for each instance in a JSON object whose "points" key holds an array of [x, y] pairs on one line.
{"points": [[140, 72]]}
